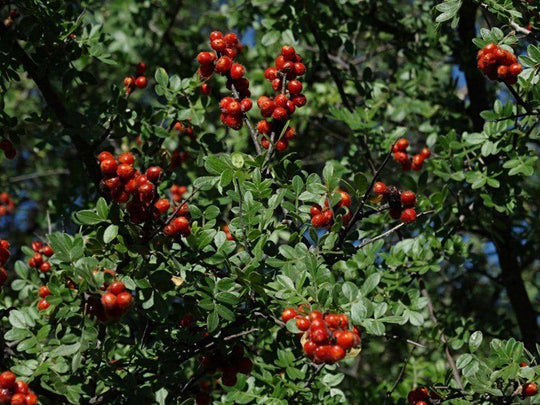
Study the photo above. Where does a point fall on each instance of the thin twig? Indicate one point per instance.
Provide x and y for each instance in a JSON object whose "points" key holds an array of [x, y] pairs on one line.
{"points": [[518, 98], [31, 176], [388, 232], [307, 384]]}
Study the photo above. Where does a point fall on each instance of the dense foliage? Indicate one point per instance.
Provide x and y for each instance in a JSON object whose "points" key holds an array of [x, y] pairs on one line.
{"points": [[357, 222]]}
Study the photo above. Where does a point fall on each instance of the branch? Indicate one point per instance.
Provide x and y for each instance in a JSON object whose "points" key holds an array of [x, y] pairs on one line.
{"points": [[388, 232], [31, 176], [519, 100], [307, 384]]}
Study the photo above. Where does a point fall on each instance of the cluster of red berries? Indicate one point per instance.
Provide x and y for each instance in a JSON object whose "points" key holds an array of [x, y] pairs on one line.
{"points": [[328, 338], [9, 150], [421, 396], [185, 129], [10, 19], [15, 392], [137, 81], [37, 260], [228, 234], [401, 203], [43, 293], [139, 191], [177, 192], [324, 217], [4, 257], [400, 156], [229, 364], [226, 49], [498, 64], [288, 66], [116, 301], [7, 205]]}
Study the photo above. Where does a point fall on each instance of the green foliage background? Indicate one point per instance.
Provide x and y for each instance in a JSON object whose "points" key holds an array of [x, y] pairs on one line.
{"points": [[461, 283]]}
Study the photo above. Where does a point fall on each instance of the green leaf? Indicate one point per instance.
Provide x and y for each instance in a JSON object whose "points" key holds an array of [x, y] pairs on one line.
{"points": [[475, 341], [110, 233], [162, 77]]}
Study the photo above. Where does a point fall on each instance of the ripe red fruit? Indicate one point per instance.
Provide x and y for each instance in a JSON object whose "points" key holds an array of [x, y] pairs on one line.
{"points": [[127, 158], [44, 291], [345, 199], [146, 190], [322, 354], [108, 166], [299, 68], [43, 305], [277, 84], [309, 348], [7, 379], [162, 205], [302, 323], [169, 230], [230, 39], [18, 399], [333, 320], [288, 52], [237, 71], [21, 387], [45, 267], [123, 301], [108, 300], [516, 69], [408, 198], [141, 82], [418, 160], [288, 314], [125, 171], [216, 35], [234, 108], [140, 68], [116, 287], [105, 156], [279, 114], [270, 73], [319, 335], [300, 100], [523, 364], [402, 144], [281, 145], [408, 215], [425, 153], [182, 225], [530, 389], [502, 71], [153, 173], [206, 58], [337, 353], [5, 396], [218, 45], [401, 157], [346, 339], [223, 64], [31, 399], [379, 188], [295, 87], [318, 220], [315, 210]]}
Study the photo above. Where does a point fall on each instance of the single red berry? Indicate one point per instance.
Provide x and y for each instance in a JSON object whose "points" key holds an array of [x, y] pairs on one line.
{"points": [[309, 348], [108, 166], [379, 188], [279, 114], [516, 69], [530, 389], [290, 133], [303, 323], [288, 52], [44, 291], [216, 35], [18, 399], [322, 354], [319, 335], [105, 156], [523, 364], [315, 210], [345, 199], [153, 173], [418, 160], [116, 287], [270, 73], [224, 64], [346, 339], [337, 353], [206, 88], [425, 153], [206, 58], [288, 314], [43, 305], [237, 71], [318, 220], [402, 144], [277, 84], [108, 300], [299, 68], [282, 145], [140, 68], [31, 399], [230, 39], [300, 100], [182, 225], [21, 387], [45, 267], [295, 87], [408, 198], [315, 314], [126, 158], [408, 215], [7, 379], [162, 205], [502, 72], [125, 171], [141, 82], [123, 301]]}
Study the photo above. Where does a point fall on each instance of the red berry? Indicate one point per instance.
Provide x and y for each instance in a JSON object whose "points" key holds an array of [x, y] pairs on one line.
{"points": [[206, 58], [322, 354], [288, 52], [127, 158], [319, 335], [182, 225], [315, 314], [425, 153], [108, 166], [21, 387], [125, 171], [303, 323], [502, 72], [140, 68], [315, 210], [299, 68], [295, 87], [153, 173], [108, 300], [105, 156], [44, 291], [18, 399], [141, 82], [223, 64], [288, 314], [408, 215], [45, 267], [401, 157], [309, 348], [516, 69], [270, 73], [345, 199], [116, 287], [402, 144], [279, 114], [230, 39], [162, 205], [281, 145], [237, 71], [300, 100], [218, 45], [418, 160], [43, 305], [346, 340], [206, 89], [379, 188], [318, 220], [7, 379], [123, 301], [216, 35], [277, 84], [337, 353], [408, 198], [31, 399], [530, 389], [332, 320]]}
